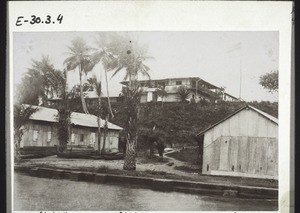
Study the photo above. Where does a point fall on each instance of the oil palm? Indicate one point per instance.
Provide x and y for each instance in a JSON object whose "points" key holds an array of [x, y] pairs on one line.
{"points": [[130, 57]]}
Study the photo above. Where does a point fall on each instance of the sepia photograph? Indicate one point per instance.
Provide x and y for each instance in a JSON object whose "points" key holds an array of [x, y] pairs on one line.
{"points": [[112, 115], [155, 117]]}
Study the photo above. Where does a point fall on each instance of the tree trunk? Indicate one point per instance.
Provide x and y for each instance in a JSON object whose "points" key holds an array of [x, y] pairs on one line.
{"points": [[104, 135], [130, 161], [131, 136], [81, 93], [99, 123], [108, 100], [18, 138]]}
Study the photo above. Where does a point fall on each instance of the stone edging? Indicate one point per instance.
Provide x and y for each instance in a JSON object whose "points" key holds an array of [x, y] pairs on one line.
{"points": [[156, 184]]}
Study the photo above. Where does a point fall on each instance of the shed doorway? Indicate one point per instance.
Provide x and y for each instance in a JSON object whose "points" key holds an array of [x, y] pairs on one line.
{"points": [[224, 155]]}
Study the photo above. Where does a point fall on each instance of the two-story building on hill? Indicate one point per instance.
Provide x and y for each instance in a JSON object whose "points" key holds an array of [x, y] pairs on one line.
{"points": [[198, 88]]}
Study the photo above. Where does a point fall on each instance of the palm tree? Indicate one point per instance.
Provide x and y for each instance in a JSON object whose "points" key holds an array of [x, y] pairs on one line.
{"points": [[161, 92], [105, 56], [64, 111], [131, 57], [131, 103], [79, 57], [36, 84], [183, 93]]}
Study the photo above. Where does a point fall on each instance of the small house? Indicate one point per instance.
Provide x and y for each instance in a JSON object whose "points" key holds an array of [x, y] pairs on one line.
{"points": [[243, 144], [41, 130]]}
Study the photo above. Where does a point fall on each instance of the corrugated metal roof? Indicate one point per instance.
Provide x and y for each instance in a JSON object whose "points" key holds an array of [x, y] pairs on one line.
{"points": [[266, 115], [80, 119]]}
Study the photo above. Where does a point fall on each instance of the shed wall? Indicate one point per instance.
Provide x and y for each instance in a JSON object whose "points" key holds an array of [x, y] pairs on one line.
{"points": [[245, 123], [242, 156]]}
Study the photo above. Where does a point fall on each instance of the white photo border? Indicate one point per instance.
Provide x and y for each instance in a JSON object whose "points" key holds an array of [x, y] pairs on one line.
{"points": [[172, 16]]}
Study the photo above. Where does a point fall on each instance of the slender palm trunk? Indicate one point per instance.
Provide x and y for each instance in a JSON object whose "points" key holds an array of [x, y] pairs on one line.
{"points": [[81, 93], [99, 122], [108, 100], [105, 134]]}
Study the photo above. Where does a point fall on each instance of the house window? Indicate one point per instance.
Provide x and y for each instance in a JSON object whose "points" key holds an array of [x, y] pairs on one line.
{"points": [[35, 135], [73, 138], [178, 82], [93, 138], [49, 136]]}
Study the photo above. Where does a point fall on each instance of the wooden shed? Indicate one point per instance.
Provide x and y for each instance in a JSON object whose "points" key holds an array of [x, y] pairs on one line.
{"points": [[243, 144], [41, 130]]}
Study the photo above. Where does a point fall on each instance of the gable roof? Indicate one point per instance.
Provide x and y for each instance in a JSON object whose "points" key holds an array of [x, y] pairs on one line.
{"points": [[79, 119], [266, 115]]}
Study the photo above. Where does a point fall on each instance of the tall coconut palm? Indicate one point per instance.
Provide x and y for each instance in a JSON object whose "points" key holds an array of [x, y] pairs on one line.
{"points": [[131, 57], [104, 56], [79, 58]]}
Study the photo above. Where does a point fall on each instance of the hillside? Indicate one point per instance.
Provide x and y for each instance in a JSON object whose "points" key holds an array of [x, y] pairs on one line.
{"points": [[181, 121]]}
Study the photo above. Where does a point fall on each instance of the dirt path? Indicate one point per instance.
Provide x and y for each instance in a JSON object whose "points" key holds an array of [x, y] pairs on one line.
{"points": [[147, 165], [54, 161]]}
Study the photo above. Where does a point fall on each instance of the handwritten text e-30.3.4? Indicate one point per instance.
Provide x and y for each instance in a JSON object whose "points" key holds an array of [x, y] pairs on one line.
{"points": [[39, 20]]}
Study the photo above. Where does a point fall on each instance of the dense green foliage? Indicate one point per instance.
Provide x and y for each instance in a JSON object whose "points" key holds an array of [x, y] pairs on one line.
{"points": [[269, 81], [180, 122]]}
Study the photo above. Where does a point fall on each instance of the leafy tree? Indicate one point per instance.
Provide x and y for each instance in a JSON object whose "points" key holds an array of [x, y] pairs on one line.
{"points": [[269, 81], [147, 138], [80, 58], [21, 117], [183, 93]]}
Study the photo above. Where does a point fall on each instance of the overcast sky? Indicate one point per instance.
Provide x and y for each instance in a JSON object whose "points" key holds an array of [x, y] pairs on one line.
{"points": [[216, 57]]}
